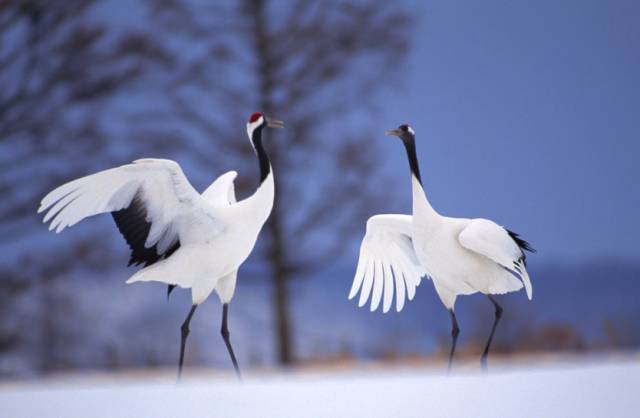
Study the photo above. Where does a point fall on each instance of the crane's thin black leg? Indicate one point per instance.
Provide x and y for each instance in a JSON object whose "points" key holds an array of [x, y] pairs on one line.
{"points": [[483, 360], [225, 335], [184, 333], [454, 337]]}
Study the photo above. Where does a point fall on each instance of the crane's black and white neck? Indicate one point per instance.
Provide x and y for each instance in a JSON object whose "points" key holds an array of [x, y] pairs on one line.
{"points": [[259, 204], [408, 137], [255, 126], [420, 202], [254, 131]]}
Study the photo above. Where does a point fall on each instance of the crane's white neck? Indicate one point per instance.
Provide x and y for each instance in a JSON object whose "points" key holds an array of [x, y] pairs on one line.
{"points": [[262, 198], [421, 205]]}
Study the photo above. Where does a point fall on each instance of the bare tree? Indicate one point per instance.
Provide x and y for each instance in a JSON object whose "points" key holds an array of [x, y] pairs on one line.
{"points": [[315, 65], [194, 70], [58, 67]]}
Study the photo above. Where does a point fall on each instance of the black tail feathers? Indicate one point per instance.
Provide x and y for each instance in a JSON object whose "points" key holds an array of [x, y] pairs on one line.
{"points": [[524, 245]]}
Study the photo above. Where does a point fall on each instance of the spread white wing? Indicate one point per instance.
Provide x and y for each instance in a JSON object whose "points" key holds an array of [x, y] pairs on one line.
{"points": [[145, 198], [494, 242], [386, 258], [222, 191]]}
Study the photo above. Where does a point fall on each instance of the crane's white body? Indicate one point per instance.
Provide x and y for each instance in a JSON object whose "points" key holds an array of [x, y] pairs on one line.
{"points": [[461, 256], [215, 232]]}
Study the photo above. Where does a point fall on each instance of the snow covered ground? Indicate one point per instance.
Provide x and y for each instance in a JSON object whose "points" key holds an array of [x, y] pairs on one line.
{"points": [[593, 389]]}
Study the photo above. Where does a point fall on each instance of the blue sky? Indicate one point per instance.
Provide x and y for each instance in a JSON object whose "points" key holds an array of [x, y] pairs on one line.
{"points": [[527, 113]]}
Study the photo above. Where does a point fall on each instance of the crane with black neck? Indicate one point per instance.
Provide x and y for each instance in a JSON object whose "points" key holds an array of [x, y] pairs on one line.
{"points": [[461, 256]]}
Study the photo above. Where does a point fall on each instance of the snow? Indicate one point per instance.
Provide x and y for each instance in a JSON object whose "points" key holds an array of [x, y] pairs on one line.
{"points": [[585, 390]]}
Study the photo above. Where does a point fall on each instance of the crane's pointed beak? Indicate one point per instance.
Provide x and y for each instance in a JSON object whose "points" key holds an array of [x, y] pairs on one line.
{"points": [[274, 123], [393, 132]]}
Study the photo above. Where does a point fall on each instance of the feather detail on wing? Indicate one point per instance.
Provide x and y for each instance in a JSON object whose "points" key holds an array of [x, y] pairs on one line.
{"points": [[387, 260], [496, 243], [145, 198], [222, 191]]}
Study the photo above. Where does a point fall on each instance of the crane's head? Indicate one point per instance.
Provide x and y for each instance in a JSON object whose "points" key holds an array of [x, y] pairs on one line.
{"points": [[257, 121], [404, 132]]}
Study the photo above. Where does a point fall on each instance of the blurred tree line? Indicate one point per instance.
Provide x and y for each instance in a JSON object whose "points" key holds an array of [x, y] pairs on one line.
{"points": [[86, 84]]}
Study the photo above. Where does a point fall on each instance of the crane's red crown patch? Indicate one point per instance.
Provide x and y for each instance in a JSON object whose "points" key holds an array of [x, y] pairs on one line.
{"points": [[255, 117]]}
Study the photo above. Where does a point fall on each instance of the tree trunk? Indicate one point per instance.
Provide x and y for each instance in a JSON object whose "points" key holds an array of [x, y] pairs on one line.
{"points": [[277, 257], [280, 292]]}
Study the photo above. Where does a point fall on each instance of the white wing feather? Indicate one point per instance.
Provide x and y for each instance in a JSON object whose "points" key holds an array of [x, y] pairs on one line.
{"points": [[161, 185], [387, 258], [493, 241], [222, 191]]}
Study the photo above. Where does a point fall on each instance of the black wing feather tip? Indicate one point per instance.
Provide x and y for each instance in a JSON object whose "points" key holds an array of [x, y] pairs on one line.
{"points": [[134, 227], [524, 245]]}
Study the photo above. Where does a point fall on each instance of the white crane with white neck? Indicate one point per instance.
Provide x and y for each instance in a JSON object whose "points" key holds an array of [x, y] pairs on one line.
{"points": [[461, 256], [184, 238]]}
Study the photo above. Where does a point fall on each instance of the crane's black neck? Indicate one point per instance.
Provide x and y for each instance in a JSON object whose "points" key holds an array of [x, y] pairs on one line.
{"points": [[263, 158], [410, 146]]}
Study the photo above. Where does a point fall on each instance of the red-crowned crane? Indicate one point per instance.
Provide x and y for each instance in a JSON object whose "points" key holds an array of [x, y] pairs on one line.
{"points": [[183, 238], [461, 256]]}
